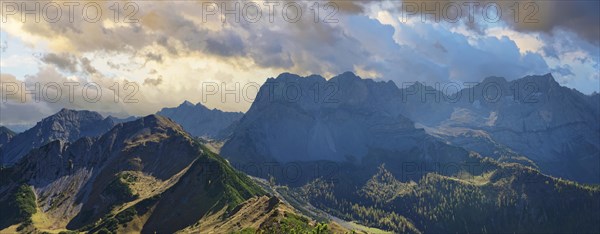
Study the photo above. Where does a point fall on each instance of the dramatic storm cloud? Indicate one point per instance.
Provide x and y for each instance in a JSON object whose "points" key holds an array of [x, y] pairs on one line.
{"points": [[162, 53]]}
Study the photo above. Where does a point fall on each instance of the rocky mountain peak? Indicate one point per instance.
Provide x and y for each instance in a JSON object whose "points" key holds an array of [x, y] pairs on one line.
{"points": [[189, 105], [67, 125], [64, 112], [542, 83], [346, 77], [287, 76], [154, 121], [494, 79], [348, 118], [186, 103], [148, 127], [7, 131]]}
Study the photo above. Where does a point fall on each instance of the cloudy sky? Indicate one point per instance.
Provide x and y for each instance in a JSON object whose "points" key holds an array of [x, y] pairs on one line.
{"points": [[150, 54]]}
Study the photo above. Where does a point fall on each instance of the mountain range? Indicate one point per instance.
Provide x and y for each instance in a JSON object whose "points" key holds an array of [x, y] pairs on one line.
{"points": [[532, 120], [147, 175], [324, 156], [491, 161]]}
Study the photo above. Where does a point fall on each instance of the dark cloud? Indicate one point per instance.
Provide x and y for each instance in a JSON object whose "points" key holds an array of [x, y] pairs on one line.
{"points": [[154, 57], [351, 6], [65, 62], [113, 65], [153, 82], [87, 66], [69, 63], [406, 52], [427, 52], [225, 43], [274, 54], [337, 6], [580, 17], [302, 47], [164, 42]]}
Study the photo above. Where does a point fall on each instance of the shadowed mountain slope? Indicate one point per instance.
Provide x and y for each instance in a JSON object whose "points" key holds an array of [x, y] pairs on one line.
{"points": [[66, 125], [149, 173]]}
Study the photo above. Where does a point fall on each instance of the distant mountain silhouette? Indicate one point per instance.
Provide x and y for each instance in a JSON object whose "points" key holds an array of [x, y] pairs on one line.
{"points": [[201, 121]]}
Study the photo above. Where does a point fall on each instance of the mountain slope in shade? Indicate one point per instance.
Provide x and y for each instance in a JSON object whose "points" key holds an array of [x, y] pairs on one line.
{"points": [[201, 121], [349, 120], [66, 125], [146, 175], [555, 127], [5, 135], [495, 198]]}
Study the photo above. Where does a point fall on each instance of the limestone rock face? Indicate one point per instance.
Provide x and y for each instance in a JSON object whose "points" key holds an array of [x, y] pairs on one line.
{"points": [[344, 119], [534, 117], [533, 120]]}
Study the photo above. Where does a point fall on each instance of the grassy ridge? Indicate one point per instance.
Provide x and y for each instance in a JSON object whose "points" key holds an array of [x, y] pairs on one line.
{"points": [[209, 185], [19, 208]]}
